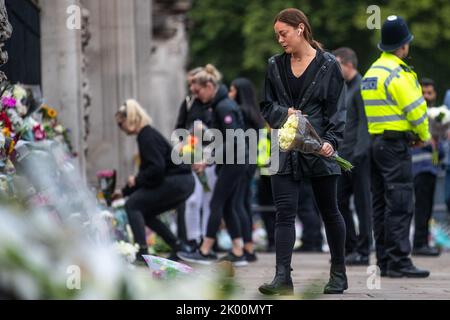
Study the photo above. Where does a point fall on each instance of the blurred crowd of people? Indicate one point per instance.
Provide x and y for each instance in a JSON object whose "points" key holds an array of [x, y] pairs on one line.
{"points": [[209, 197], [238, 199]]}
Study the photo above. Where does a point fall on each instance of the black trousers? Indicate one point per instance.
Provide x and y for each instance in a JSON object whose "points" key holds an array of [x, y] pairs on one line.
{"points": [[357, 183], [286, 193], [265, 199], [424, 186], [392, 190], [243, 206], [181, 222], [144, 205], [222, 201], [308, 214]]}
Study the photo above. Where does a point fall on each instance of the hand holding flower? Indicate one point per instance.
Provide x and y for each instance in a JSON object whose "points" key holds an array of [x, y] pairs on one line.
{"points": [[327, 150]]}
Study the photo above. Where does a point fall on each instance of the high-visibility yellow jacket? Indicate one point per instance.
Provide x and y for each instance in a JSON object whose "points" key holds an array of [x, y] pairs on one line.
{"points": [[263, 160], [393, 98]]}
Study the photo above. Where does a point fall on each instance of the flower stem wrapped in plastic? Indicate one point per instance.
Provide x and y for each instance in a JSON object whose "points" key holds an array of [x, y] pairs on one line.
{"points": [[297, 134], [192, 149]]}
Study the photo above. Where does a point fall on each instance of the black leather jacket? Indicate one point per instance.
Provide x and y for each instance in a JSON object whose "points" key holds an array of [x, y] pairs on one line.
{"points": [[323, 102]]}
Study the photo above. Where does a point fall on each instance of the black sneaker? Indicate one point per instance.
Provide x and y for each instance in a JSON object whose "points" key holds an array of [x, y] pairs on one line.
{"points": [[198, 257], [250, 257], [140, 261], [235, 260], [173, 256], [184, 247]]}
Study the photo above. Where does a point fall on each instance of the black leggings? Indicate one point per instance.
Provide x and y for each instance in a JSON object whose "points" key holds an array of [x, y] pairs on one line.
{"points": [[243, 204], [286, 194], [222, 204], [144, 205]]}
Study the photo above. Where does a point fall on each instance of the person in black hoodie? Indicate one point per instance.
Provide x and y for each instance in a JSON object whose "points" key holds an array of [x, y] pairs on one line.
{"points": [[194, 213], [305, 78], [159, 186], [226, 116]]}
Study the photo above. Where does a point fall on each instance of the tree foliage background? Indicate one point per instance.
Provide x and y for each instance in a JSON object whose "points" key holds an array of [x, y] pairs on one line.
{"points": [[237, 35]]}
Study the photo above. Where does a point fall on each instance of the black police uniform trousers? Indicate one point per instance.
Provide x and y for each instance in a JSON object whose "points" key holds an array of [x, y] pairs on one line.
{"points": [[392, 189]]}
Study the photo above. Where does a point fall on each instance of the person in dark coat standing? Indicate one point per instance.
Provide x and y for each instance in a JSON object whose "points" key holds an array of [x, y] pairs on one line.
{"points": [[425, 172], [355, 148], [194, 213], [308, 79], [243, 92], [227, 117]]}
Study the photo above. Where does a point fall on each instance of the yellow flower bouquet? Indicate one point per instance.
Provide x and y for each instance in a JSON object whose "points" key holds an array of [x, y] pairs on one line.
{"points": [[297, 134]]}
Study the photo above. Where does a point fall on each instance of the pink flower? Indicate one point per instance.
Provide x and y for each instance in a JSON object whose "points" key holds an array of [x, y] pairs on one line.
{"points": [[39, 132], [9, 102], [105, 174]]}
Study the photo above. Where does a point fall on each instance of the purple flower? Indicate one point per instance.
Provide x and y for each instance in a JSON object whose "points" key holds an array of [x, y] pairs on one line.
{"points": [[9, 102]]}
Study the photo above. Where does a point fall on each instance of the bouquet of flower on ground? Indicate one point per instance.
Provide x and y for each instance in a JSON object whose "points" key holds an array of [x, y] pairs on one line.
{"points": [[166, 269], [297, 134]]}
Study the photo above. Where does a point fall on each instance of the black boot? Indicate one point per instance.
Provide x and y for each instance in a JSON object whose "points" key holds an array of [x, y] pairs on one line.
{"points": [[338, 280], [281, 284]]}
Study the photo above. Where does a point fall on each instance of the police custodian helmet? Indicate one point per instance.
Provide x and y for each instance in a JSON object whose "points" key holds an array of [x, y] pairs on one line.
{"points": [[394, 34]]}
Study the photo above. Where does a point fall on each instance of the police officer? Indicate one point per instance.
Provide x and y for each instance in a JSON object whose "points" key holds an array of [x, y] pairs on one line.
{"points": [[396, 116]]}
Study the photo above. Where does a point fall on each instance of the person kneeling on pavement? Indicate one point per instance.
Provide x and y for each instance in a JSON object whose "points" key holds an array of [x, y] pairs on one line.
{"points": [[159, 186]]}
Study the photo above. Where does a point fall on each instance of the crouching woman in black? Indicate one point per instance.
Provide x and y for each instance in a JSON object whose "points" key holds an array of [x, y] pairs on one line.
{"points": [[308, 79], [159, 186]]}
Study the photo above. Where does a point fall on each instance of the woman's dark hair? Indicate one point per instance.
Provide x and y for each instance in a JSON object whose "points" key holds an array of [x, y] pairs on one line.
{"points": [[246, 99], [294, 17]]}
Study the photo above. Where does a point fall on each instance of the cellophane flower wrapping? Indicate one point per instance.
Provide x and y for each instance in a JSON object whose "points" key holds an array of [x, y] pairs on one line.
{"points": [[297, 134], [166, 269]]}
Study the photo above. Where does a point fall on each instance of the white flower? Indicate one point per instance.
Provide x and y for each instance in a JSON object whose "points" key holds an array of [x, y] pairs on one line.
{"points": [[440, 114], [126, 250], [286, 134]]}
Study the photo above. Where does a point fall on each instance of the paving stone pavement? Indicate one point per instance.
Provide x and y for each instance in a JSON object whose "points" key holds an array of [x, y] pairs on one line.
{"points": [[311, 273]]}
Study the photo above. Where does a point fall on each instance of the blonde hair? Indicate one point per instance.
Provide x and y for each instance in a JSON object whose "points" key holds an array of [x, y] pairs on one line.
{"points": [[194, 71], [208, 74], [134, 116]]}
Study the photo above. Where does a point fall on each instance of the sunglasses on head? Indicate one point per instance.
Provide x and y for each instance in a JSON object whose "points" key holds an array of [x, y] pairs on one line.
{"points": [[122, 114]]}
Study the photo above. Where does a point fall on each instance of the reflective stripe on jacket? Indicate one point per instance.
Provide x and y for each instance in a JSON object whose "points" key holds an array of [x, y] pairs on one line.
{"points": [[393, 98]]}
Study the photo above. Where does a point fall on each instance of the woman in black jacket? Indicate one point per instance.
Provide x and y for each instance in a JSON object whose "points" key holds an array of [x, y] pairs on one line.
{"points": [[308, 79], [159, 186], [226, 117]]}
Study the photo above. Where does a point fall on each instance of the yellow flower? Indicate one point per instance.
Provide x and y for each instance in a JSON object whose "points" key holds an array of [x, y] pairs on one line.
{"points": [[186, 149], [6, 132], [11, 147], [286, 134], [52, 113]]}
